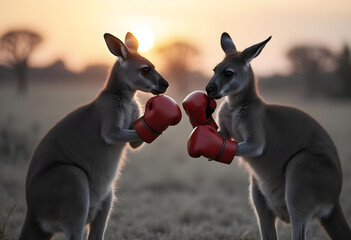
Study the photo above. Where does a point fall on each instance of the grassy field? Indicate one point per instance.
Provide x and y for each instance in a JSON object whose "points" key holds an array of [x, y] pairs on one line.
{"points": [[162, 192]]}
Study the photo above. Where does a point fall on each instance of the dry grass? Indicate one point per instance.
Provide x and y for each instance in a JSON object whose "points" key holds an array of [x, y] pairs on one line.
{"points": [[163, 193], [3, 224]]}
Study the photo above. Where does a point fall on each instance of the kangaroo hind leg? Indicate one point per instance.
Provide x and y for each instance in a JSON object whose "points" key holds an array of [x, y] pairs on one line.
{"points": [[336, 224], [32, 230], [312, 186], [98, 225], [265, 216], [75, 205], [59, 197]]}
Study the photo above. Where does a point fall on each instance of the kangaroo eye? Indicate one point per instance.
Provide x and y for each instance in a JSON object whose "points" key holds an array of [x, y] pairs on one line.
{"points": [[228, 73], [145, 69]]}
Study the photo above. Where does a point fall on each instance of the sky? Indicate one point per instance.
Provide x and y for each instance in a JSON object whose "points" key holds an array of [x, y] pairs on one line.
{"points": [[73, 30]]}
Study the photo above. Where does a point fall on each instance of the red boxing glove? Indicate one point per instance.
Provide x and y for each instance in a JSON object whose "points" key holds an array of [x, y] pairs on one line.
{"points": [[160, 112], [205, 141], [199, 107]]}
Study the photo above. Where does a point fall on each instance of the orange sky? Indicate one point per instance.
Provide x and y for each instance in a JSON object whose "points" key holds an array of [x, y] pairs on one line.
{"points": [[73, 30]]}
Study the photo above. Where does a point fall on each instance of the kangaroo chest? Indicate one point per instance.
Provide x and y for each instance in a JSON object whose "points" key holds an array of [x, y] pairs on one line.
{"points": [[125, 115], [104, 165], [268, 175]]}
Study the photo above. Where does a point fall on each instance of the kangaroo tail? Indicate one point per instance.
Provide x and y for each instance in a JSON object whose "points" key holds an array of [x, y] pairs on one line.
{"points": [[336, 224]]}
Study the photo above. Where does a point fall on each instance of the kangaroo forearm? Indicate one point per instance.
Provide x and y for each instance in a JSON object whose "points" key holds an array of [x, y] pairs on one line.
{"points": [[249, 149], [122, 135]]}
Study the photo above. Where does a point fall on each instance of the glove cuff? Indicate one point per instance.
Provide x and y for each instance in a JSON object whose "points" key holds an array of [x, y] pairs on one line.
{"points": [[145, 132], [227, 152], [212, 123]]}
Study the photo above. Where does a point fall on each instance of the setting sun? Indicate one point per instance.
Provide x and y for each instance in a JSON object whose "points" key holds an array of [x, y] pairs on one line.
{"points": [[145, 38]]}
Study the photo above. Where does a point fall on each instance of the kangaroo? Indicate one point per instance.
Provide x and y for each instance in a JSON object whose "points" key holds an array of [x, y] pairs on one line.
{"points": [[295, 172], [70, 179]]}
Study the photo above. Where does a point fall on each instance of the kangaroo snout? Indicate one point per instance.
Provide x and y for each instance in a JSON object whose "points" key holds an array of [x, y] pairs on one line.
{"points": [[163, 83], [162, 86], [212, 91]]}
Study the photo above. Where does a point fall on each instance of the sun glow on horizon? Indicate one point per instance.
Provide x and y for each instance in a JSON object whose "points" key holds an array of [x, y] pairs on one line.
{"points": [[81, 43], [145, 38]]}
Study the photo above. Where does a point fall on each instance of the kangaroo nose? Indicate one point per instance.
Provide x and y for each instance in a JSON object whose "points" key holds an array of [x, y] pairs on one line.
{"points": [[210, 89], [164, 83]]}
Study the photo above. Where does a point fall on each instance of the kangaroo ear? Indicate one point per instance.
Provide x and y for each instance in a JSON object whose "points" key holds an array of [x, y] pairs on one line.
{"points": [[251, 52], [131, 41], [227, 43], [116, 46]]}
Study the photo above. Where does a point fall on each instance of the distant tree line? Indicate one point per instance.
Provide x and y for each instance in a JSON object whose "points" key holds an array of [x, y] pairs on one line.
{"points": [[320, 71], [16, 48], [323, 71]]}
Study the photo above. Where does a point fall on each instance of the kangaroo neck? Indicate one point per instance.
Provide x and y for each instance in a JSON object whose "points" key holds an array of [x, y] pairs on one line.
{"points": [[116, 84], [245, 97]]}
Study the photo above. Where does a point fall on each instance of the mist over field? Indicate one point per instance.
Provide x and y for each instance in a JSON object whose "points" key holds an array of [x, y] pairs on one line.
{"points": [[162, 193]]}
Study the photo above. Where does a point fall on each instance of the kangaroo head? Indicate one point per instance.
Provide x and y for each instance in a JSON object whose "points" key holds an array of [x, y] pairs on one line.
{"points": [[234, 73], [134, 70]]}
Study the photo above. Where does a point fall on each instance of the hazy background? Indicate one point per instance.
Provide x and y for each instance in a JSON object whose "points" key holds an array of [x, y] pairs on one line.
{"points": [[73, 30], [61, 61]]}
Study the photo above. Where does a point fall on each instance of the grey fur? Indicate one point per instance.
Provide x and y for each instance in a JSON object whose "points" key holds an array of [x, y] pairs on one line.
{"points": [[294, 167], [70, 179]]}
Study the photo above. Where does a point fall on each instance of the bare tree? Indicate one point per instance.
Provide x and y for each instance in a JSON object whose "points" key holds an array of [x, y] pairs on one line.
{"points": [[16, 46], [310, 62], [178, 56]]}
